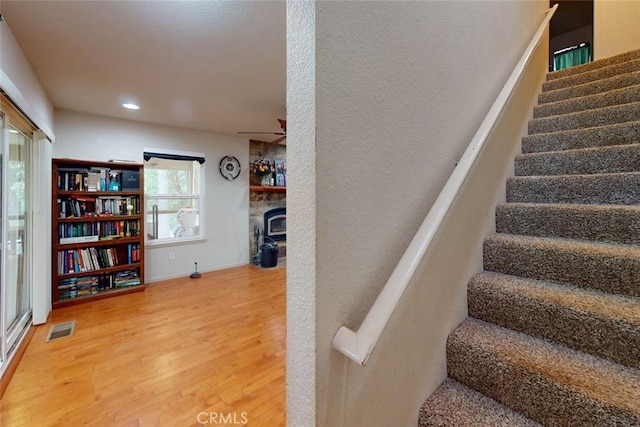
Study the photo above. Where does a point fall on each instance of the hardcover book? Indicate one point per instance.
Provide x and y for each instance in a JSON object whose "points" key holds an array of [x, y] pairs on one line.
{"points": [[130, 180]]}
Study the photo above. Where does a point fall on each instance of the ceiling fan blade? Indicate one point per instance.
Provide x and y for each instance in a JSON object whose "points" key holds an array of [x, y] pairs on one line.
{"points": [[279, 140]]}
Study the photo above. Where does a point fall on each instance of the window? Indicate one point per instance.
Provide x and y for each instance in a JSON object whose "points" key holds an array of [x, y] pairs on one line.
{"points": [[173, 186], [571, 56]]}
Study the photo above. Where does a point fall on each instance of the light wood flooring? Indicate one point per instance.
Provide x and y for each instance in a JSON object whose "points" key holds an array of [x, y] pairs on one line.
{"points": [[184, 352]]}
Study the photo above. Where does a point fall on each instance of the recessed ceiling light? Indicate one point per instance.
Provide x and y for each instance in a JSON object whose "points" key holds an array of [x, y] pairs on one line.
{"points": [[130, 106]]}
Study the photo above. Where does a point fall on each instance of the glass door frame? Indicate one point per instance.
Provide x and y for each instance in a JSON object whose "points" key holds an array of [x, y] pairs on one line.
{"points": [[11, 335], [4, 136]]}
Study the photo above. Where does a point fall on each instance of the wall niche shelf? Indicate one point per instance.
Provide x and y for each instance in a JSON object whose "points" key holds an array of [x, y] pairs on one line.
{"points": [[267, 189]]}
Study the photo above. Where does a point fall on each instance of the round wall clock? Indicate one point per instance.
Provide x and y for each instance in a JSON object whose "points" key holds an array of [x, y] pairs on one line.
{"points": [[229, 167]]}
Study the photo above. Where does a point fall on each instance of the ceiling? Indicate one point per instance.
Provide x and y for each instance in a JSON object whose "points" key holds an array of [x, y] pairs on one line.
{"points": [[216, 66]]}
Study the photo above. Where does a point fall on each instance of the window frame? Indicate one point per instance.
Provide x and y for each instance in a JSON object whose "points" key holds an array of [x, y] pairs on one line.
{"points": [[200, 197]]}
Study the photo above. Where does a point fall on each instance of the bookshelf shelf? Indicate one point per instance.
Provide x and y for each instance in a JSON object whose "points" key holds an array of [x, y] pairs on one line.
{"points": [[97, 235], [109, 242], [99, 193], [100, 295], [267, 189], [99, 218], [100, 271]]}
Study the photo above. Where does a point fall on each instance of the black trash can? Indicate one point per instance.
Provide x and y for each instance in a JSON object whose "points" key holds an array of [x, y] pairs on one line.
{"points": [[269, 255]]}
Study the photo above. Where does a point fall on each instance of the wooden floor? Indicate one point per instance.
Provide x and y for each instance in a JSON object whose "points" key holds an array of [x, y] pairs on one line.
{"points": [[208, 351]]}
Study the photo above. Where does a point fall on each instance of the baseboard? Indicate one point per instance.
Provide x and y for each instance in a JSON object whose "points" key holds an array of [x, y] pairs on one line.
{"points": [[15, 360], [187, 273]]}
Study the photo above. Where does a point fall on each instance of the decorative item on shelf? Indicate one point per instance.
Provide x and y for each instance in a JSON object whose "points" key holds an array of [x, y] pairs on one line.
{"points": [[264, 169], [114, 180], [281, 173], [229, 167]]}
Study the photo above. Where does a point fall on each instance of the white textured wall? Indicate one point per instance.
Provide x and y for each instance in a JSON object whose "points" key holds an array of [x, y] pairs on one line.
{"points": [[400, 89], [616, 27], [301, 214], [84, 136], [20, 82]]}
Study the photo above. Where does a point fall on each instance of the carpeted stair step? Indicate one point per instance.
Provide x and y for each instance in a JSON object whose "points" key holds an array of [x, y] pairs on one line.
{"points": [[579, 69], [621, 96], [454, 405], [604, 325], [591, 88], [561, 286], [605, 223], [619, 158], [601, 136], [612, 189], [546, 382], [593, 75], [607, 267], [586, 119]]}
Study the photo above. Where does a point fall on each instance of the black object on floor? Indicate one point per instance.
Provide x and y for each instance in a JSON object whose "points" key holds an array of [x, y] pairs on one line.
{"points": [[269, 255], [195, 274]]}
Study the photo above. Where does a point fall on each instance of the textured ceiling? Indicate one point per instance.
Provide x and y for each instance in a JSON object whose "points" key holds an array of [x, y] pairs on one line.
{"points": [[217, 66]]}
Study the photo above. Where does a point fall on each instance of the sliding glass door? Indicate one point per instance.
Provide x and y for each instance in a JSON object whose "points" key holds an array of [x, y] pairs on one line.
{"points": [[15, 283]]}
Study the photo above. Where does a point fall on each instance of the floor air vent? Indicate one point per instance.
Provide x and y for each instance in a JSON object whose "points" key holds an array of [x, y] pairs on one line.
{"points": [[61, 330]]}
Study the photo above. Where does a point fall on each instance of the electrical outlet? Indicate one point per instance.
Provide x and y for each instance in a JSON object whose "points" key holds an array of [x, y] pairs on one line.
{"points": [[172, 256]]}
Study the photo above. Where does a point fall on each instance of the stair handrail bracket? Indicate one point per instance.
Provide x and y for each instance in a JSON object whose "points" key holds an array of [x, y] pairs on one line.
{"points": [[358, 345]]}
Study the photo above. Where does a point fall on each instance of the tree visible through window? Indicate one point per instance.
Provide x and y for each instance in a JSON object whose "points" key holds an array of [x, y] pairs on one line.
{"points": [[173, 196]]}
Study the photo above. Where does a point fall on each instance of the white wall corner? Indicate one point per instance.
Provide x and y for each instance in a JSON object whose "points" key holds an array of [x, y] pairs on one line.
{"points": [[41, 227], [19, 81], [301, 220]]}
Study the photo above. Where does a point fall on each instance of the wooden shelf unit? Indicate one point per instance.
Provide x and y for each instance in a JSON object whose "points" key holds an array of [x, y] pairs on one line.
{"points": [[117, 257]]}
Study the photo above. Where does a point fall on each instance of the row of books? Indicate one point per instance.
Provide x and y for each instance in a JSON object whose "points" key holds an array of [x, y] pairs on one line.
{"points": [[80, 232], [98, 179], [133, 253], [118, 205], [121, 228], [86, 259], [77, 206], [74, 208], [74, 287], [126, 278]]}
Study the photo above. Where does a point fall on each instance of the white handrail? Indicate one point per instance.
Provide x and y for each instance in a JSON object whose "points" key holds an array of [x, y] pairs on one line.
{"points": [[359, 345]]}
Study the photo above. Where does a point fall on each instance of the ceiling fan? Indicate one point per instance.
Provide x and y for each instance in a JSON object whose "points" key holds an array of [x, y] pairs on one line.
{"points": [[283, 134]]}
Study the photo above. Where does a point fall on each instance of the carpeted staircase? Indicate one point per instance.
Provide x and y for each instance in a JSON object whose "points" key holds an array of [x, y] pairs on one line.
{"points": [[553, 333]]}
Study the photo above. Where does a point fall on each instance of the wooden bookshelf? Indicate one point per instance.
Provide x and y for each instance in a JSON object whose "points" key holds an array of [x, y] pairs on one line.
{"points": [[97, 230], [267, 189]]}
